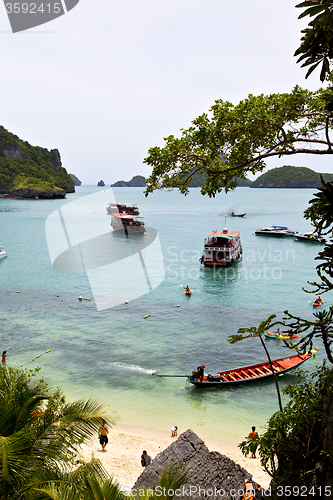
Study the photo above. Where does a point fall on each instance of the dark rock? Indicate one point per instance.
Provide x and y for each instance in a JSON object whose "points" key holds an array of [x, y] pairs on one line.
{"points": [[56, 159], [101, 183], [13, 153], [76, 180], [211, 474]]}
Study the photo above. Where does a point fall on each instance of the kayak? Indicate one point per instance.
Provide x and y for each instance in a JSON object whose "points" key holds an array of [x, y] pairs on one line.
{"points": [[278, 337], [187, 292]]}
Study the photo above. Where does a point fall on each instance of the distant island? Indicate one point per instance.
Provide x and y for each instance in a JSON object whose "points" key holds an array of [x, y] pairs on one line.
{"points": [[136, 181], [197, 181], [101, 183], [77, 181], [290, 177], [31, 171]]}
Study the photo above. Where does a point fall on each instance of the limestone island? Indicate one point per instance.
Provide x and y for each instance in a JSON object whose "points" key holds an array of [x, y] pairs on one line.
{"points": [[28, 171], [290, 177]]}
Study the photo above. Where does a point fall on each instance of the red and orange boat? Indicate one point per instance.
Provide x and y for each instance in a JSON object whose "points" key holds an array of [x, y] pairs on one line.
{"points": [[128, 223], [249, 373]]}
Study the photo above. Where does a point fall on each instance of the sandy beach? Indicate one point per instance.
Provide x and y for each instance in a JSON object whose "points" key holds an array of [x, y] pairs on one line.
{"points": [[122, 456]]}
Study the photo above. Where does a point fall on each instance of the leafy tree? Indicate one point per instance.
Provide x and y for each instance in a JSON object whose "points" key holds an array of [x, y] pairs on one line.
{"points": [[317, 42], [296, 449], [38, 429], [233, 140]]}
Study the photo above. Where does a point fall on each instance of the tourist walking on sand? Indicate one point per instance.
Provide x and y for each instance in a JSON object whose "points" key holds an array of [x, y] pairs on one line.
{"points": [[174, 431], [254, 437], [145, 459], [102, 433]]}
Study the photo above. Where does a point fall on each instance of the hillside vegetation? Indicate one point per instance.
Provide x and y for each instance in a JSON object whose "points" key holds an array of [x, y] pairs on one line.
{"points": [[19, 160], [290, 177]]}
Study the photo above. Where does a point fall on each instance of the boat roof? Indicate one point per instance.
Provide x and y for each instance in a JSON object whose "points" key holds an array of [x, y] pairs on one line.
{"points": [[123, 204], [127, 216], [229, 234]]}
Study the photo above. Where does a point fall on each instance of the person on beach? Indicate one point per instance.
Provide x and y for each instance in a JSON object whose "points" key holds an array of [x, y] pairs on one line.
{"points": [[174, 431], [254, 437], [4, 354], [145, 459], [102, 434]]}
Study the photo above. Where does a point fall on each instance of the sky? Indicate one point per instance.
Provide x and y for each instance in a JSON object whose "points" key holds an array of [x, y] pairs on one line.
{"points": [[110, 78]]}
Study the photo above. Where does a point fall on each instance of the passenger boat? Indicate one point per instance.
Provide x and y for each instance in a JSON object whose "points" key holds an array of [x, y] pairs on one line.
{"points": [[250, 373], [128, 223], [2, 253], [275, 231], [237, 215], [278, 336], [221, 248], [311, 237], [118, 208]]}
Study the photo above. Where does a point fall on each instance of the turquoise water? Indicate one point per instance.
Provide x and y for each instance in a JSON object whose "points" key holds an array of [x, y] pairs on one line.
{"points": [[111, 353]]}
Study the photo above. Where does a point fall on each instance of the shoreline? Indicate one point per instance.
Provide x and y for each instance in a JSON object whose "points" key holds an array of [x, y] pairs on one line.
{"points": [[126, 443]]}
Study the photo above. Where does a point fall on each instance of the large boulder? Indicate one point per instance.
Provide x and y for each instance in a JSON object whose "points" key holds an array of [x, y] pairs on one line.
{"points": [[211, 474]]}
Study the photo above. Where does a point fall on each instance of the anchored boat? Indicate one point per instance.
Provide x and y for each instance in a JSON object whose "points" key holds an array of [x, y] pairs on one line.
{"points": [[128, 223], [221, 248], [279, 231], [2, 253], [118, 208], [249, 373]]}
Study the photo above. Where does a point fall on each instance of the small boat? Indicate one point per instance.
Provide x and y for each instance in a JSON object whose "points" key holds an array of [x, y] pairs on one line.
{"points": [[188, 292], [221, 248], [237, 215], [120, 208], [278, 337], [317, 303], [311, 237], [128, 223], [279, 231], [2, 253], [250, 373]]}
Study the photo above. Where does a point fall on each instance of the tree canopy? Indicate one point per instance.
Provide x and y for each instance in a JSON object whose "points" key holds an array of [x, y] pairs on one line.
{"points": [[317, 41], [233, 140]]}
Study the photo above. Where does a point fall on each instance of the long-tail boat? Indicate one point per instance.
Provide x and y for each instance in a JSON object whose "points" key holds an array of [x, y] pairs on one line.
{"points": [[249, 373]]}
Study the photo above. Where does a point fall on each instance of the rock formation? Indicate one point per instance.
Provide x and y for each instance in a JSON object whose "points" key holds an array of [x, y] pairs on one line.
{"points": [[211, 474], [101, 183]]}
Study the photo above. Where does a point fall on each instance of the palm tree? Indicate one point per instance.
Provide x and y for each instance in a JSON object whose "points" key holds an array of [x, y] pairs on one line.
{"points": [[39, 430], [259, 332]]}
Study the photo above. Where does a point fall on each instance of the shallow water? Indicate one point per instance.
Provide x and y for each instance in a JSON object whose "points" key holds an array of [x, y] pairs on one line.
{"points": [[111, 352]]}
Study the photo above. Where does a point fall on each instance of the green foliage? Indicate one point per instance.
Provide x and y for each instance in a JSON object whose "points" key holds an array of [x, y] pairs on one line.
{"points": [[288, 176], [29, 161], [316, 46], [321, 327], [291, 450], [234, 140], [39, 431], [170, 481], [320, 212]]}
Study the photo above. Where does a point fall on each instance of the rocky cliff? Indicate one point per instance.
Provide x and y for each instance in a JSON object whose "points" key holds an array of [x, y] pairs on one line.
{"points": [[31, 166], [211, 474]]}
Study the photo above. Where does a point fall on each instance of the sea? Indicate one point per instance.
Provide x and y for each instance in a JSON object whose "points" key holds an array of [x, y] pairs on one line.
{"points": [[134, 320]]}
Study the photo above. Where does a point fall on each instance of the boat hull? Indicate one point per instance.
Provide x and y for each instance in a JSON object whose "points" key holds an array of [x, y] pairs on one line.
{"points": [[221, 248], [251, 373]]}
